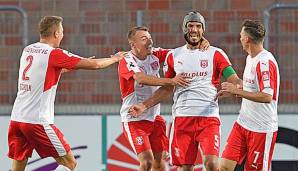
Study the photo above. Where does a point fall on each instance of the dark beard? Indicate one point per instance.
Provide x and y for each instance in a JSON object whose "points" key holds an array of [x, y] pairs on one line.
{"points": [[186, 37]]}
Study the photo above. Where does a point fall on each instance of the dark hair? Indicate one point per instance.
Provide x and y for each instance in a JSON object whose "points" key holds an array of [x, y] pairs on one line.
{"points": [[133, 31], [255, 30], [48, 25]]}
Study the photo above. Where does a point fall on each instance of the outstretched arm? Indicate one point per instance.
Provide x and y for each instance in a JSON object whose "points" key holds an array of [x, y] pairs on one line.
{"points": [[92, 64], [159, 95]]}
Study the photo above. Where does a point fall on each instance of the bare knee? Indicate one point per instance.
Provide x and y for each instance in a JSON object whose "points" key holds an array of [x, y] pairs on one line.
{"points": [[19, 165], [223, 168], [158, 165], [68, 161], [146, 164], [146, 160], [72, 164], [159, 162], [186, 168], [227, 165], [211, 164]]}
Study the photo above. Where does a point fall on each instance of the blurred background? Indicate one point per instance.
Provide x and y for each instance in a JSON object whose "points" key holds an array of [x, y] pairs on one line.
{"points": [[99, 27]]}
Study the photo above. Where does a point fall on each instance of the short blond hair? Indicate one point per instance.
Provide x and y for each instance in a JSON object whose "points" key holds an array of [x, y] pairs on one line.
{"points": [[48, 25], [134, 30]]}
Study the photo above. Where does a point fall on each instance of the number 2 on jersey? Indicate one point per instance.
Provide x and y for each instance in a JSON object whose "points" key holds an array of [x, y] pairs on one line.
{"points": [[29, 60]]}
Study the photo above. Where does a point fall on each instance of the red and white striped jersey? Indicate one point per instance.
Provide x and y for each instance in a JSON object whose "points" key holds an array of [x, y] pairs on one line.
{"points": [[133, 92], [39, 73], [204, 68], [261, 74]]}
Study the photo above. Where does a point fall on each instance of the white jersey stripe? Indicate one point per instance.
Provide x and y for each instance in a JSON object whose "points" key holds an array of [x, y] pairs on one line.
{"points": [[55, 140], [268, 143], [126, 129], [171, 140]]}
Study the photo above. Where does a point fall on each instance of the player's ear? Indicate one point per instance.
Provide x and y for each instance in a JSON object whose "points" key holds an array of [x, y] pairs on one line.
{"points": [[56, 34], [131, 43]]}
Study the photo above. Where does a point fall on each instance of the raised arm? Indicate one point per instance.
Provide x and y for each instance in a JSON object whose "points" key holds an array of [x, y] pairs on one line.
{"points": [[92, 64]]}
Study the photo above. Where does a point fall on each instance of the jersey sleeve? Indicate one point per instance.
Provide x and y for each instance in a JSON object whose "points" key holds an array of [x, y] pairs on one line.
{"points": [[266, 72], [127, 68], [63, 59], [161, 54], [168, 67], [221, 61]]}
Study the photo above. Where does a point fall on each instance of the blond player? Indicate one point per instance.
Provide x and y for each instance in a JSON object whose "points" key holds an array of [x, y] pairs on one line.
{"points": [[139, 79], [32, 117], [254, 133]]}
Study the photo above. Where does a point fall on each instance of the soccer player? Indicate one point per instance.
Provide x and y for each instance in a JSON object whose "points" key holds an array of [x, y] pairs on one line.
{"points": [[254, 133], [196, 114], [32, 118], [139, 77]]}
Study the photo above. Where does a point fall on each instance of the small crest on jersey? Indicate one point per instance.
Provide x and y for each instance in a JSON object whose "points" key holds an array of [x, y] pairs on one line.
{"points": [[139, 140], [204, 63], [154, 65], [265, 75]]}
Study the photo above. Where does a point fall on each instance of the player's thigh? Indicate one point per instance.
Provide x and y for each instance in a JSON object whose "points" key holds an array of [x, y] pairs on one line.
{"points": [[158, 137], [261, 146], [227, 165], [236, 145], [209, 137], [137, 134], [47, 140], [19, 165], [183, 146], [19, 147]]}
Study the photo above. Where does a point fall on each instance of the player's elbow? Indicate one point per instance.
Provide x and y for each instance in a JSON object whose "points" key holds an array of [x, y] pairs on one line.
{"points": [[140, 77], [169, 89], [98, 65]]}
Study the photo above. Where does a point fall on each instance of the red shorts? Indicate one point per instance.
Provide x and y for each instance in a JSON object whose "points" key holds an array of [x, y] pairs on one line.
{"points": [[256, 147], [47, 140], [145, 135], [187, 133]]}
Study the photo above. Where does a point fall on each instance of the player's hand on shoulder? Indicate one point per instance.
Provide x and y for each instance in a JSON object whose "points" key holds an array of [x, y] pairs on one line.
{"points": [[204, 44], [118, 56]]}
